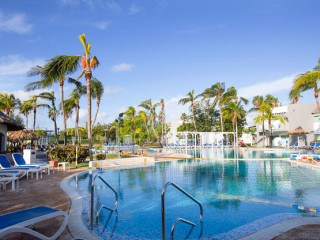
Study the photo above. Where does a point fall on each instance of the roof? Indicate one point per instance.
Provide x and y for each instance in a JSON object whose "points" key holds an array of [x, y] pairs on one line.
{"points": [[12, 125], [24, 134], [298, 130]]}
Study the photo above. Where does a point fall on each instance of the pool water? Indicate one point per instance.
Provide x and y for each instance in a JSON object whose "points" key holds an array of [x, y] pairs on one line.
{"points": [[233, 193]]}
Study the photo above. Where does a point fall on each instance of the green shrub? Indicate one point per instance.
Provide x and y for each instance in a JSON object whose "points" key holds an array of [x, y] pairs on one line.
{"points": [[68, 153], [101, 156]]}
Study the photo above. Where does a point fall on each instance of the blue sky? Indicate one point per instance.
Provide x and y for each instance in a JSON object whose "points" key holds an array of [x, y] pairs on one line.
{"points": [[163, 49]]}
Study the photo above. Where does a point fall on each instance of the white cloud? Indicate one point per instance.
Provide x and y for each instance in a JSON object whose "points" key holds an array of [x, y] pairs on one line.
{"points": [[17, 65], [24, 95], [264, 88], [133, 9], [112, 5], [108, 90], [102, 25], [15, 23], [122, 67]]}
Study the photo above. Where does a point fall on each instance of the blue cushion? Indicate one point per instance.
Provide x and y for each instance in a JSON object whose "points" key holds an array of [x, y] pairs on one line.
{"points": [[4, 162], [10, 219], [19, 159]]}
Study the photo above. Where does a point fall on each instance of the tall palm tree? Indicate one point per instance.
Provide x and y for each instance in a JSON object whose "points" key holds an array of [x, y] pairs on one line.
{"points": [[220, 95], [131, 114], [73, 102], [151, 108], [190, 98], [142, 114], [310, 81], [234, 111], [25, 108], [8, 103], [257, 103], [35, 105], [97, 90], [50, 97], [60, 66], [163, 120]]}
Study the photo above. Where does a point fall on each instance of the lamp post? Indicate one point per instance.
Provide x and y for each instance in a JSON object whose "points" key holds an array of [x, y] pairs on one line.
{"points": [[119, 120]]}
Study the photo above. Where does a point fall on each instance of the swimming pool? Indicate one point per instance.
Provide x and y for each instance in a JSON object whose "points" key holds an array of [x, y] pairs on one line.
{"points": [[238, 197]]}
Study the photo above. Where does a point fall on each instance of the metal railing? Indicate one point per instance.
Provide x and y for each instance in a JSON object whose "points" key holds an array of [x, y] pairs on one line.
{"points": [[164, 189], [102, 206]]}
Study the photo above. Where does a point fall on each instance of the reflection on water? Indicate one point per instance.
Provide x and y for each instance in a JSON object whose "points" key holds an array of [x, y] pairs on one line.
{"points": [[233, 193]]}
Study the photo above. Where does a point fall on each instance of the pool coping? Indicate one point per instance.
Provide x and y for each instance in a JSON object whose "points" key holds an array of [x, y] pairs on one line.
{"points": [[78, 229]]}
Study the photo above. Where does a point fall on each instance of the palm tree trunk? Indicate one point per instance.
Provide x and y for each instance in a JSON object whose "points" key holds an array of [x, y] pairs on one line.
{"points": [[96, 114], [221, 122], [88, 75], [55, 122], [194, 121], [316, 95], [76, 123], [237, 132], [269, 122], [63, 113], [134, 129], [154, 130], [34, 117], [263, 137], [148, 133]]}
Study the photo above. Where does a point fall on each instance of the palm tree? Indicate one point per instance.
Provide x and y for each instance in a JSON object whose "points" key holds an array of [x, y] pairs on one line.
{"points": [[142, 114], [295, 94], [131, 114], [97, 92], [309, 80], [220, 95], [151, 108], [234, 111], [50, 97], [257, 103], [190, 98], [58, 67], [73, 103], [33, 103], [163, 120], [8, 103], [25, 108]]}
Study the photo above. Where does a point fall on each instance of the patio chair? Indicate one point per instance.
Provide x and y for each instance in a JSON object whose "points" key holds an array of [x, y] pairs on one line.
{"points": [[52, 146], [44, 147], [17, 222], [317, 147], [311, 146], [5, 180], [5, 164], [39, 148], [295, 145], [20, 162]]}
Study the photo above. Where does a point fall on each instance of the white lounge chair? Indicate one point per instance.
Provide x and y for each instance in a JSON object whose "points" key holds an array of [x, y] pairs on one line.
{"points": [[5, 180], [20, 162], [17, 222], [5, 164]]}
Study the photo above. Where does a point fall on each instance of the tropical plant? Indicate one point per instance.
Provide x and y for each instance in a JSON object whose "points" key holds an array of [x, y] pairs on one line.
{"points": [[190, 98], [259, 106], [35, 106], [162, 120], [142, 115], [308, 80], [221, 97], [50, 97], [25, 108], [131, 114], [97, 91], [151, 108], [8, 103]]}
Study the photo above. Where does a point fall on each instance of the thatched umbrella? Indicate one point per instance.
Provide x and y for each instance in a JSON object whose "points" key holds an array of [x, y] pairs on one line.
{"points": [[298, 131], [21, 135]]}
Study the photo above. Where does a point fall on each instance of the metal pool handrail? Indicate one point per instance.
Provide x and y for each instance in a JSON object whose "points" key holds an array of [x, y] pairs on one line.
{"points": [[164, 189], [102, 206]]}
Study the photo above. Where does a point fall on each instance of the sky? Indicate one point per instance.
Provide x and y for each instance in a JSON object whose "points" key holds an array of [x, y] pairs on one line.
{"points": [[162, 49]]}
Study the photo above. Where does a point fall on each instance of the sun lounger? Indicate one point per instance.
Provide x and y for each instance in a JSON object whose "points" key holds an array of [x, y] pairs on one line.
{"points": [[17, 222], [20, 162], [317, 147], [5, 164], [5, 180]]}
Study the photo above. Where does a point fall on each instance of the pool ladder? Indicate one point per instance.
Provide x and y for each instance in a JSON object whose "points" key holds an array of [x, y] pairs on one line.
{"points": [[164, 189], [102, 206]]}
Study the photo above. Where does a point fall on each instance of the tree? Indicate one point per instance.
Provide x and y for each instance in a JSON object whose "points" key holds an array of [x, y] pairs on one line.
{"points": [[220, 95], [234, 111], [259, 106], [50, 97], [308, 80], [143, 116], [25, 108], [151, 108], [131, 114], [190, 98], [8, 103], [33, 103], [73, 102], [97, 92], [162, 119]]}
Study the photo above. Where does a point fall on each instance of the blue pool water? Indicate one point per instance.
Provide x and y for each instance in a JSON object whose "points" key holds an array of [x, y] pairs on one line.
{"points": [[234, 193]]}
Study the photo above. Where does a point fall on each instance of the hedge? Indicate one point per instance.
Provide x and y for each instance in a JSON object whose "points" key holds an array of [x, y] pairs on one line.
{"points": [[68, 153]]}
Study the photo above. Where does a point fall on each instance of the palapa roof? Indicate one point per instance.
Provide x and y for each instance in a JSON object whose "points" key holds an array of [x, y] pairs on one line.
{"points": [[24, 134], [12, 125], [298, 130]]}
